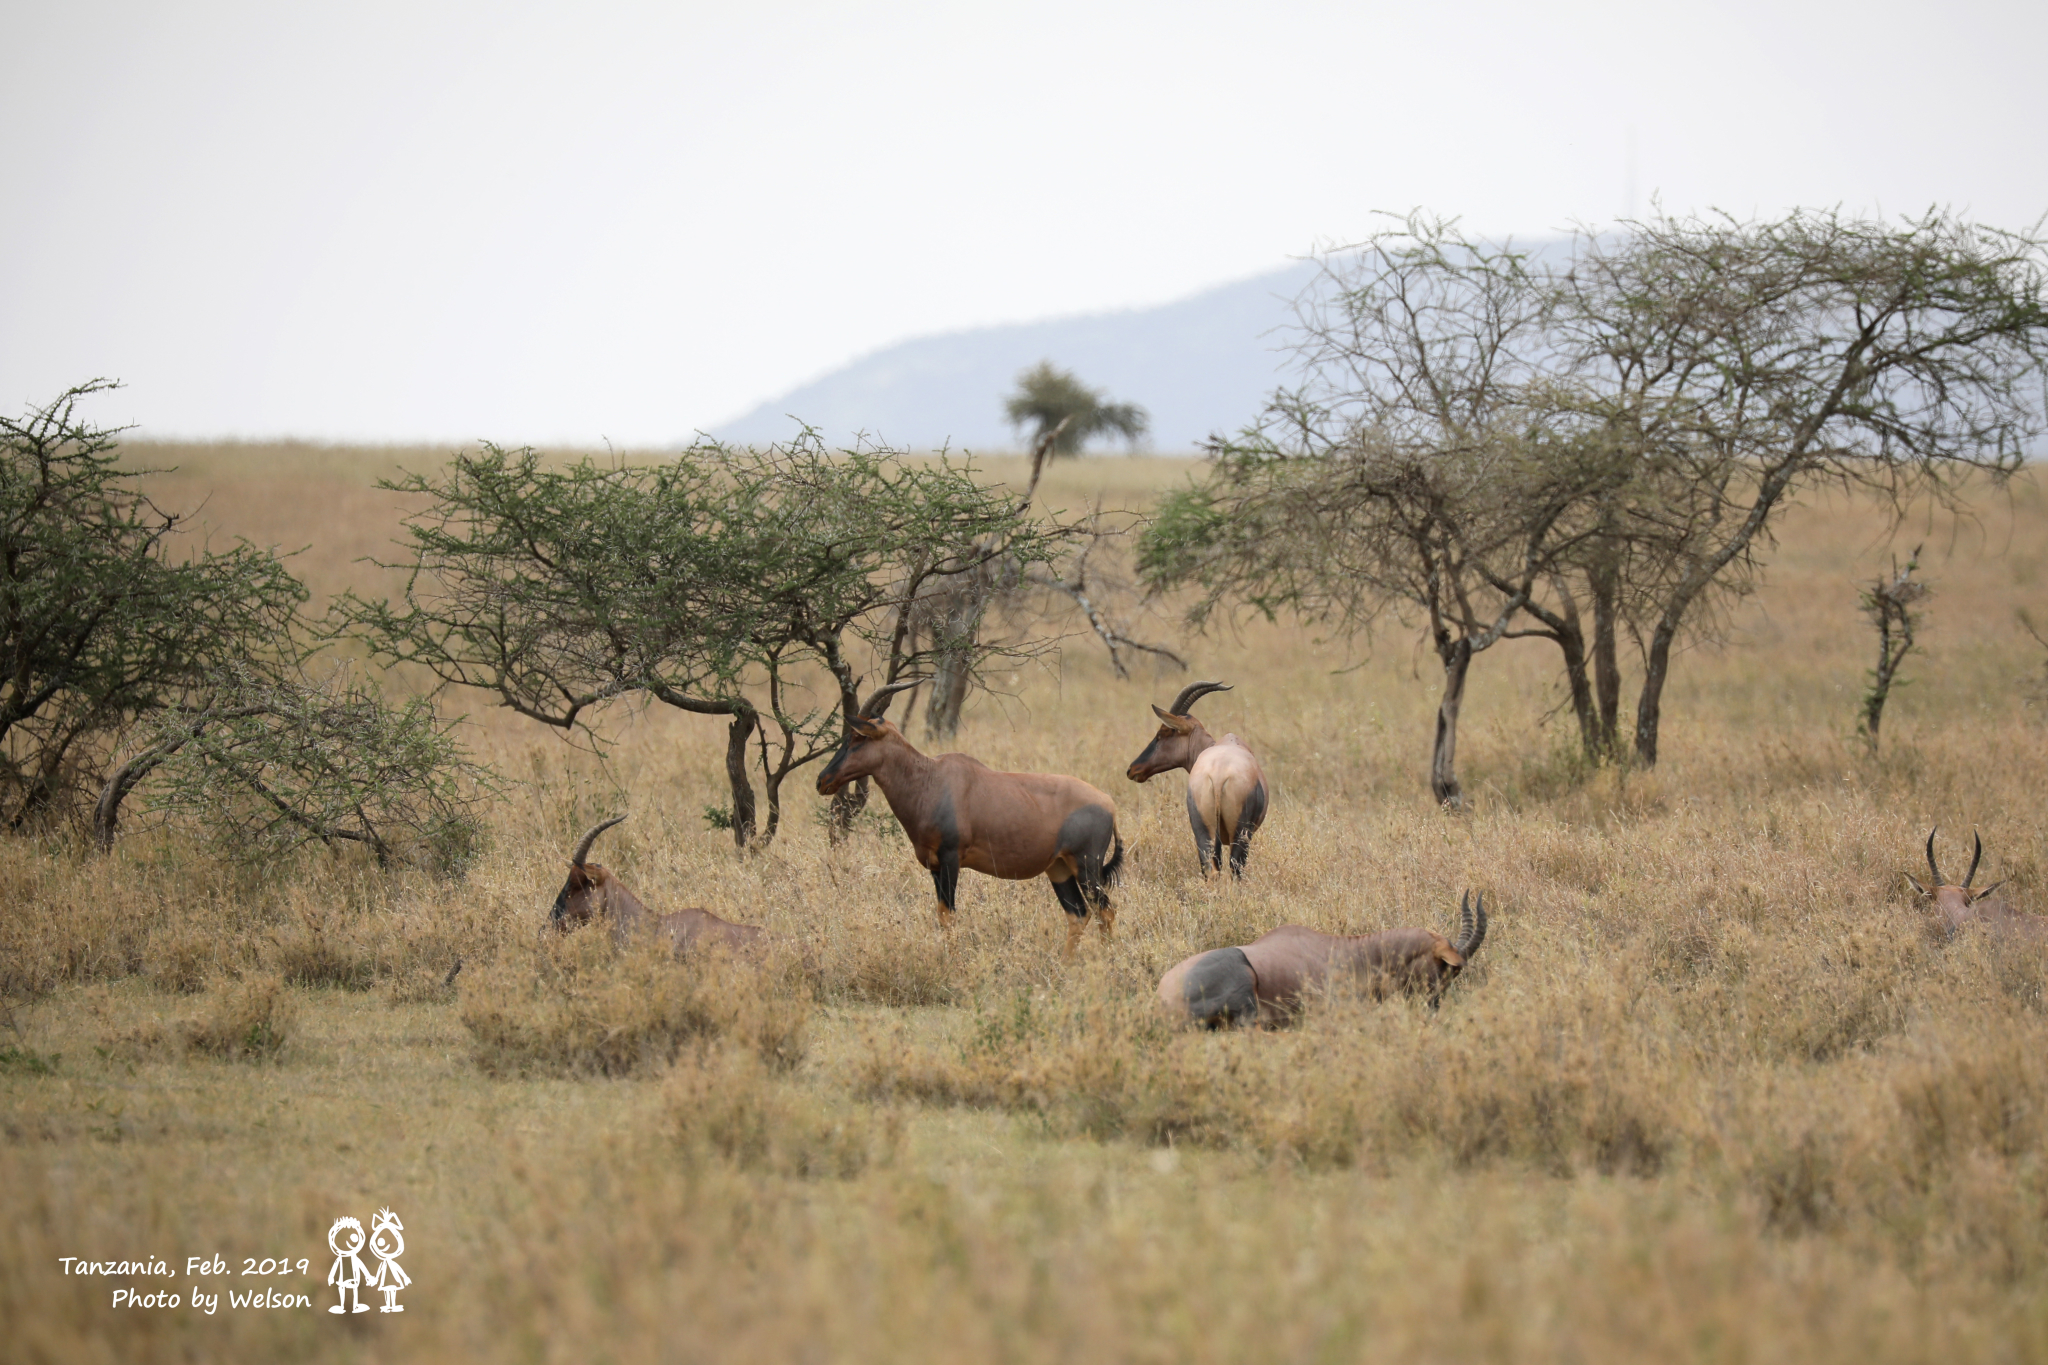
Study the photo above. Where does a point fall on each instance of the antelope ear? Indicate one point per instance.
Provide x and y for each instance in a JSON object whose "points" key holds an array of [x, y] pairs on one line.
{"points": [[1178, 724], [866, 727], [1917, 887], [1976, 896]]}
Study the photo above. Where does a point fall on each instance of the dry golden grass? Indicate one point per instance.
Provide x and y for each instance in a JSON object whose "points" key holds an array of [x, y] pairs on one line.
{"points": [[1711, 1091]]}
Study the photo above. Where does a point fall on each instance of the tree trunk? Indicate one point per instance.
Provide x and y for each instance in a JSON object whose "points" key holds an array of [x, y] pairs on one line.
{"points": [[1443, 775], [1604, 590], [1649, 703], [744, 719], [849, 801], [106, 812], [949, 694], [954, 666], [1565, 628]]}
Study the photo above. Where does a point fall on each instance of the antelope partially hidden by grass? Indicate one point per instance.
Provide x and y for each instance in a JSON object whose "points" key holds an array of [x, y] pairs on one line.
{"points": [[592, 892], [1265, 980], [1226, 788], [959, 813], [1954, 906]]}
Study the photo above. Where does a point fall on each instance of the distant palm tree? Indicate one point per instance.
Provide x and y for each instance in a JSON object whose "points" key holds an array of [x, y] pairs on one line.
{"points": [[1047, 396]]}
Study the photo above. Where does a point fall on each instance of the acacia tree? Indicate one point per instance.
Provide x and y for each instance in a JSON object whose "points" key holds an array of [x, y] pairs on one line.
{"points": [[748, 584], [1690, 377], [1060, 409], [1410, 471], [105, 617], [1735, 364]]}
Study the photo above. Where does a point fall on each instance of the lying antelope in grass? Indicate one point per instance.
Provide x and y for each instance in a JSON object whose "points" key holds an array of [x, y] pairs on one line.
{"points": [[1265, 980], [959, 813], [1955, 906], [1226, 789], [592, 892]]}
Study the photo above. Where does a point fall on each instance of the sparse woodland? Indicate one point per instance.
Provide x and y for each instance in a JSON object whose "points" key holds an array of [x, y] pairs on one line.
{"points": [[1715, 1088]]}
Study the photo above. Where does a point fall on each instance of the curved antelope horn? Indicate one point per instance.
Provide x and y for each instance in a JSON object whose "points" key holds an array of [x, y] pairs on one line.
{"points": [[1193, 693], [877, 704], [590, 837], [1930, 856], [1471, 925], [1976, 856]]}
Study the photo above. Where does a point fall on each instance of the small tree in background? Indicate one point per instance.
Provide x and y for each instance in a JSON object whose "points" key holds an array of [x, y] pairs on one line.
{"points": [[1890, 606], [1052, 402]]}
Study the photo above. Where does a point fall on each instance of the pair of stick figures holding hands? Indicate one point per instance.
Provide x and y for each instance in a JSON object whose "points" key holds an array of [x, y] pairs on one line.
{"points": [[387, 1244]]}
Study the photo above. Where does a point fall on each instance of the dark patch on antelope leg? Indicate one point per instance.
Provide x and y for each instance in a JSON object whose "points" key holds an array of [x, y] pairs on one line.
{"points": [[1205, 849], [946, 879], [1248, 820], [1221, 990], [1071, 901]]}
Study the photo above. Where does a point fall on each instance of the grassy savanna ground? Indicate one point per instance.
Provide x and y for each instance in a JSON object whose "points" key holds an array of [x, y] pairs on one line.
{"points": [[1712, 1091]]}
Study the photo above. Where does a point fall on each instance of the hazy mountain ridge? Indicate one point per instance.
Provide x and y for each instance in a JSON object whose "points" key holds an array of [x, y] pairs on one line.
{"points": [[1200, 365]]}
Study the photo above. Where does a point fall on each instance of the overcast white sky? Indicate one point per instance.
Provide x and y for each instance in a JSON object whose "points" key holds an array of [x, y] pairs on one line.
{"points": [[575, 222]]}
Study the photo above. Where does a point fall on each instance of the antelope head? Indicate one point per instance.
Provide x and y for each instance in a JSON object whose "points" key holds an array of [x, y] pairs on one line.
{"points": [[1953, 905], [869, 740], [1181, 737], [591, 889]]}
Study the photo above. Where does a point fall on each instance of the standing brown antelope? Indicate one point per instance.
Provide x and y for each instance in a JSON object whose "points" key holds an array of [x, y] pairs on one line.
{"points": [[959, 813], [1226, 789], [1955, 906], [1264, 981], [592, 892]]}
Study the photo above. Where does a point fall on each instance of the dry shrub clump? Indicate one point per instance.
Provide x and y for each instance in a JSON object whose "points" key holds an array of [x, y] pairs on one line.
{"points": [[1934, 1152], [727, 1101], [180, 961], [578, 1008], [250, 1021], [1355, 1083], [322, 949]]}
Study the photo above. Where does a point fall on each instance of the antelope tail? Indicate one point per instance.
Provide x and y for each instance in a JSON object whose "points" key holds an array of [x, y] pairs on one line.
{"points": [[1115, 864]]}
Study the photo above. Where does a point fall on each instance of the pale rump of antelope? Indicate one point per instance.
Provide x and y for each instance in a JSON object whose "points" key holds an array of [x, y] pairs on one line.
{"points": [[592, 892], [959, 813], [1226, 789], [1955, 906], [1264, 981]]}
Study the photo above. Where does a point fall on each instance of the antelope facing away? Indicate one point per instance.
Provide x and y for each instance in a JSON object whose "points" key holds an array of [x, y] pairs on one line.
{"points": [[1955, 906], [1264, 981], [592, 892], [959, 813], [1226, 789]]}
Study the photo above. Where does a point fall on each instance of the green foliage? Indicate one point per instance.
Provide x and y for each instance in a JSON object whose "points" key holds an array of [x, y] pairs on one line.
{"points": [[269, 765], [104, 617], [1047, 396], [723, 581], [26, 1061], [1185, 528]]}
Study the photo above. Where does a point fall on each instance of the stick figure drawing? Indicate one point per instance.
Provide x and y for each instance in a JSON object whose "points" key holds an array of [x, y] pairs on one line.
{"points": [[348, 1273], [387, 1243]]}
